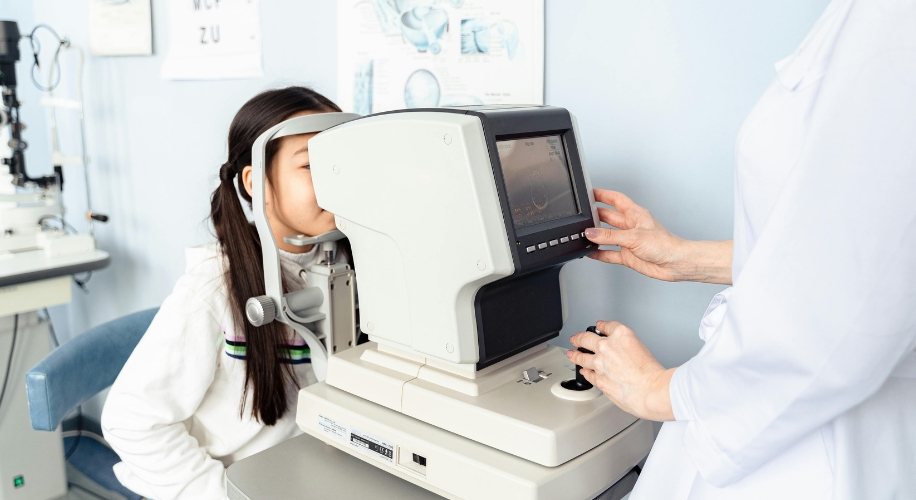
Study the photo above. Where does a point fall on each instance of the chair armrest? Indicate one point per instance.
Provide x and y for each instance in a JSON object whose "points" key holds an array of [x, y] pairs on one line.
{"points": [[81, 368]]}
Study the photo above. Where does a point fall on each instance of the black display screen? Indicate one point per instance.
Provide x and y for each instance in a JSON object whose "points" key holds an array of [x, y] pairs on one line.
{"points": [[536, 173]]}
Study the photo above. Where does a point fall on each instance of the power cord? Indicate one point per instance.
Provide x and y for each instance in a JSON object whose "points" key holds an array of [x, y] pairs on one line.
{"points": [[9, 362], [36, 49], [81, 282], [54, 338], [64, 225]]}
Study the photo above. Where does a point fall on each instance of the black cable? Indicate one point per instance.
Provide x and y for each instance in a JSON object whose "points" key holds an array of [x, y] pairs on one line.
{"points": [[82, 282], [51, 328], [36, 49], [64, 224], [9, 362]]}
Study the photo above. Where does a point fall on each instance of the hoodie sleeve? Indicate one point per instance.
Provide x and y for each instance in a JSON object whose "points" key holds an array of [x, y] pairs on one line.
{"points": [[160, 387]]}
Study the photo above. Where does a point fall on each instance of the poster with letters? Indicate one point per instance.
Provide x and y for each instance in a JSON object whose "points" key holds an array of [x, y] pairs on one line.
{"points": [[213, 39], [395, 54]]}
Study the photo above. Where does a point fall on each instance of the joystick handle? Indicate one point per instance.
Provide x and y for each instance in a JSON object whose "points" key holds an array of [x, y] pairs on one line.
{"points": [[579, 383]]}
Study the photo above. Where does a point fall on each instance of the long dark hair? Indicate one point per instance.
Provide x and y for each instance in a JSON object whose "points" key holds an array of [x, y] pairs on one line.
{"points": [[265, 373]]}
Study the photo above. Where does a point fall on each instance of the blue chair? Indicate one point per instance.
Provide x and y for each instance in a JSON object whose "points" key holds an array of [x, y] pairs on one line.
{"points": [[76, 371]]}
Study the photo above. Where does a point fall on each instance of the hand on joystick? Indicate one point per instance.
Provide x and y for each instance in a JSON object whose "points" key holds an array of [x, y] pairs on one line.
{"points": [[624, 370], [579, 383]]}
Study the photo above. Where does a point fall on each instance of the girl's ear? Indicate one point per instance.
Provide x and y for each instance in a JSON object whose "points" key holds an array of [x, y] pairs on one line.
{"points": [[247, 179], [248, 182]]}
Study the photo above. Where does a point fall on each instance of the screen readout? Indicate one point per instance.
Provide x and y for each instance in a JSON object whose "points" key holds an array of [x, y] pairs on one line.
{"points": [[537, 179]]}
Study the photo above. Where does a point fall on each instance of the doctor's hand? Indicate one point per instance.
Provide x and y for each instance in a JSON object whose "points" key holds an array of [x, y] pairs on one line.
{"points": [[625, 371], [650, 249]]}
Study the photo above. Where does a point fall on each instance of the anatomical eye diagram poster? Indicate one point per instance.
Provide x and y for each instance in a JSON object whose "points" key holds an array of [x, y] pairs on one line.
{"points": [[395, 54]]}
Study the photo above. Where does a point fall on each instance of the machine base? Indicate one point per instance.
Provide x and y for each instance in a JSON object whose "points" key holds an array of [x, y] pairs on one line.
{"points": [[457, 467], [499, 407]]}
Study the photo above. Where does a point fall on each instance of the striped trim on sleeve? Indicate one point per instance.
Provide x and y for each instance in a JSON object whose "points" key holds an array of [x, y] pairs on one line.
{"points": [[295, 351]]}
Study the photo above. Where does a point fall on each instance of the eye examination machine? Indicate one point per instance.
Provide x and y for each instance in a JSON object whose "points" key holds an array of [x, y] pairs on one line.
{"points": [[460, 221]]}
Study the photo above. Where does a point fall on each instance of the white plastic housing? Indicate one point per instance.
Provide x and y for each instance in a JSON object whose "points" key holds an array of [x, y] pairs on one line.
{"points": [[422, 253], [21, 211], [457, 467], [498, 408]]}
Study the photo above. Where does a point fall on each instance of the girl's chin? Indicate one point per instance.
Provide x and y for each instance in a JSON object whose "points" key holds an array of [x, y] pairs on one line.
{"points": [[332, 224], [323, 223]]}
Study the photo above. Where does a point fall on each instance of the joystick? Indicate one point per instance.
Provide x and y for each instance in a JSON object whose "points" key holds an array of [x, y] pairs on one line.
{"points": [[579, 383]]}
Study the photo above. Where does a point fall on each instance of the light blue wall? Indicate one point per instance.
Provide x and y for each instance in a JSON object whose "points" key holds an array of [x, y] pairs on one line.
{"points": [[660, 88]]}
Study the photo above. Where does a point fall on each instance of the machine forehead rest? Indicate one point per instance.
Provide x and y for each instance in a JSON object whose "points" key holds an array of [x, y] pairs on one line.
{"points": [[317, 122]]}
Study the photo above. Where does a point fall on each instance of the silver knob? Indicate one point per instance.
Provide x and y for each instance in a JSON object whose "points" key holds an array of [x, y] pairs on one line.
{"points": [[260, 310]]}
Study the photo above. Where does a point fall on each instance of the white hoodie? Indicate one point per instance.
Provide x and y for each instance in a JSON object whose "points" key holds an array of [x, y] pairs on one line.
{"points": [[173, 414]]}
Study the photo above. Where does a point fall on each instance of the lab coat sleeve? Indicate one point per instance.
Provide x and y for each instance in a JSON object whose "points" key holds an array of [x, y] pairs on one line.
{"points": [[158, 390], [825, 306]]}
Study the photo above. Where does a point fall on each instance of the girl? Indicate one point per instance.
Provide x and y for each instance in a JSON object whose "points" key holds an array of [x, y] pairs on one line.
{"points": [[205, 388]]}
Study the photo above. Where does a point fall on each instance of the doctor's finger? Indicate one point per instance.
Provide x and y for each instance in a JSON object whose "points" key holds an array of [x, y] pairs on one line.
{"points": [[582, 359], [587, 340], [613, 217], [609, 328], [589, 375], [620, 237], [609, 256], [615, 199]]}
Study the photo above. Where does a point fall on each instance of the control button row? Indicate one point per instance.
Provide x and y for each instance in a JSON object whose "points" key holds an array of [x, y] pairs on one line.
{"points": [[553, 243]]}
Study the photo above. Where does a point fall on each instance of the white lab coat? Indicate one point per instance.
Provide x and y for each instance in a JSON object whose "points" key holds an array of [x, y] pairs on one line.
{"points": [[806, 387]]}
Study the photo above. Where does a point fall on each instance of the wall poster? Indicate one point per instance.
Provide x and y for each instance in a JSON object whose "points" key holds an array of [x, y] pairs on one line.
{"points": [[213, 39], [395, 54], [120, 28]]}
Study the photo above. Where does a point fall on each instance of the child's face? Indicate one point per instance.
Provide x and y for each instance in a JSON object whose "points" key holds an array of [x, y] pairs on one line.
{"points": [[292, 200], [290, 197]]}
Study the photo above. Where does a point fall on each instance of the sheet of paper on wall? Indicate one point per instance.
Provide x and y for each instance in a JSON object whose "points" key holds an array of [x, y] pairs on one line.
{"points": [[394, 54], [120, 28], [213, 40]]}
